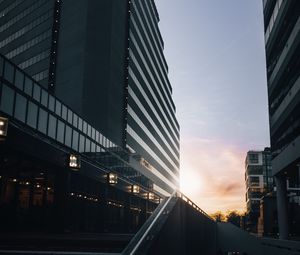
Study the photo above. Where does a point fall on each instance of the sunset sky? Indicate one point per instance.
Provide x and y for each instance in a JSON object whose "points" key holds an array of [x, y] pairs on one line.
{"points": [[215, 53]]}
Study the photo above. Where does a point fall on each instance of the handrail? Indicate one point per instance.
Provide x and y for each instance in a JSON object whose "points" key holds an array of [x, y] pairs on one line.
{"points": [[143, 233], [152, 220], [190, 202]]}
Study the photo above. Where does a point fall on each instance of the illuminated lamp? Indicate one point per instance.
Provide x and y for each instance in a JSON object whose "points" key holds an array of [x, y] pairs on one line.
{"points": [[135, 189], [3, 127], [112, 178], [74, 161], [150, 196]]}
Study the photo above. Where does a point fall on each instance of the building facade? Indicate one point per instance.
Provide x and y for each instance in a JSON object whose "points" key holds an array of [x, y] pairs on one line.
{"points": [[259, 181], [282, 42], [103, 59], [90, 140]]}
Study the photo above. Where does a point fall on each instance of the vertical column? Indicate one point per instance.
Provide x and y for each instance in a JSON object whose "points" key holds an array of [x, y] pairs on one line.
{"points": [[280, 182]]}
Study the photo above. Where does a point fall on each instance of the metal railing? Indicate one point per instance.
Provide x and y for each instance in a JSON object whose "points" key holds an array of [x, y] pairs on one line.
{"points": [[142, 241]]}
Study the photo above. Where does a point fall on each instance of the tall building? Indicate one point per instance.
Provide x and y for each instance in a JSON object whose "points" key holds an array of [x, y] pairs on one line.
{"points": [[282, 42], [90, 140], [104, 59], [259, 181]]}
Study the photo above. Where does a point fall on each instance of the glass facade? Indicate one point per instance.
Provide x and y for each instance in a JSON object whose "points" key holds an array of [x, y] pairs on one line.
{"points": [[34, 191], [25, 35], [136, 111], [152, 128]]}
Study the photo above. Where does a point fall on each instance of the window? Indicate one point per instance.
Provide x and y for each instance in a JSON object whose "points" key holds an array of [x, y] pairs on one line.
{"points": [[254, 181], [60, 131], [36, 92], [75, 140], [9, 72], [28, 86], [68, 138], [253, 158], [52, 126], [43, 119], [20, 109], [32, 114], [19, 80], [44, 99], [7, 100]]}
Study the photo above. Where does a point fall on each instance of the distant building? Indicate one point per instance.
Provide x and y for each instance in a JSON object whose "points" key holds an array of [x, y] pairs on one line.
{"points": [[282, 43], [259, 181]]}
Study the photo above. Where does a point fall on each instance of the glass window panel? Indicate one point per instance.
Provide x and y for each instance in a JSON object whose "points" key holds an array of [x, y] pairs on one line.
{"points": [[58, 108], [28, 86], [52, 126], [64, 112], [60, 131], [98, 149], [51, 103], [81, 143], [104, 142], [84, 127], [79, 123], [36, 92], [93, 147], [19, 79], [1, 65], [100, 138], [75, 140], [89, 130], [68, 138], [97, 136], [7, 100], [32, 114], [20, 108], [43, 121], [9, 72], [44, 99], [70, 116], [75, 120], [87, 145], [93, 133]]}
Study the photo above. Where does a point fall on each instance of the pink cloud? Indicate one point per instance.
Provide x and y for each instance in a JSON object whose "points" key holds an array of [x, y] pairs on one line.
{"points": [[212, 174]]}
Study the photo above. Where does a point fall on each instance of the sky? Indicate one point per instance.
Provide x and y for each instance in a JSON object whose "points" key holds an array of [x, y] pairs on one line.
{"points": [[215, 53]]}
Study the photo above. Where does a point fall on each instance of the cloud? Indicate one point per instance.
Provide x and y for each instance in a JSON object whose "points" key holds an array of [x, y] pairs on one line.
{"points": [[212, 173]]}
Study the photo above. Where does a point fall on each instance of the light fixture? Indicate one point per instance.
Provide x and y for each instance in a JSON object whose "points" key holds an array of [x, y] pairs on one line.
{"points": [[135, 189], [150, 196], [112, 178], [74, 161], [3, 126]]}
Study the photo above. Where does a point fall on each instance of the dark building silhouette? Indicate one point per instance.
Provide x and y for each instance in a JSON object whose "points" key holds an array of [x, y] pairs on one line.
{"points": [[282, 42], [89, 141]]}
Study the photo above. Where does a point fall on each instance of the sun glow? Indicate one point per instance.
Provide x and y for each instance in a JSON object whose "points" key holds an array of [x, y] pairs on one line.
{"points": [[190, 182]]}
